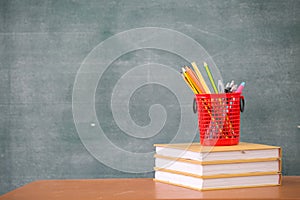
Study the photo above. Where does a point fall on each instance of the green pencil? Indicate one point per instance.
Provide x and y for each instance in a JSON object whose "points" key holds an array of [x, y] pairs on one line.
{"points": [[210, 78]]}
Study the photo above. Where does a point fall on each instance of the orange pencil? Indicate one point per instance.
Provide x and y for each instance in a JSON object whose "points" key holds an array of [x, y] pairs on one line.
{"points": [[195, 80], [188, 83]]}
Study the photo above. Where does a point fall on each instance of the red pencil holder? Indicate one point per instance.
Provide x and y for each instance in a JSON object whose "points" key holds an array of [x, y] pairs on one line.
{"points": [[219, 118]]}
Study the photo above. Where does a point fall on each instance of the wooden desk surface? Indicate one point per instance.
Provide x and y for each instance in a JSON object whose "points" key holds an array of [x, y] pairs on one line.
{"points": [[143, 189]]}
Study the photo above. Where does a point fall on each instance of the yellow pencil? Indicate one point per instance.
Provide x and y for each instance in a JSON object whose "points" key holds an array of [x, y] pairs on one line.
{"points": [[188, 83], [192, 75], [189, 80], [200, 77]]}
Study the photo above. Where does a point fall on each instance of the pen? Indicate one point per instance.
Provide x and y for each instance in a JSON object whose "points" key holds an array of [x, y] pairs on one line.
{"points": [[231, 84], [240, 88], [233, 89]]}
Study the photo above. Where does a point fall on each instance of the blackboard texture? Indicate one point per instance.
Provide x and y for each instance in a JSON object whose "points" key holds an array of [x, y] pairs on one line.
{"points": [[52, 54]]}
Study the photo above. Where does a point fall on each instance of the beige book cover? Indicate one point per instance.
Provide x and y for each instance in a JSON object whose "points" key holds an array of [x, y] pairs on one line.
{"points": [[195, 151], [215, 182], [197, 147]]}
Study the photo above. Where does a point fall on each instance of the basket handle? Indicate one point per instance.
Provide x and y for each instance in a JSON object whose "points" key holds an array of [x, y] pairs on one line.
{"points": [[242, 104], [195, 109]]}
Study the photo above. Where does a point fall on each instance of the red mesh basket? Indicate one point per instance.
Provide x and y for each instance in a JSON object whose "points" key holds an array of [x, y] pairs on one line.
{"points": [[219, 118]]}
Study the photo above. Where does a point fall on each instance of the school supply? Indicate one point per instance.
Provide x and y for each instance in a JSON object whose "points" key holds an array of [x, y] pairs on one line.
{"points": [[218, 182], [191, 82], [240, 88], [222, 167], [233, 88], [230, 87], [194, 79], [224, 127], [210, 77], [188, 82], [200, 77], [196, 151], [219, 161], [215, 167], [218, 114], [196, 82]]}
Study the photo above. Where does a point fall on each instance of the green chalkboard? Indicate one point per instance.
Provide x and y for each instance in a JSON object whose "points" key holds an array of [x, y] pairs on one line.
{"points": [[87, 87]]}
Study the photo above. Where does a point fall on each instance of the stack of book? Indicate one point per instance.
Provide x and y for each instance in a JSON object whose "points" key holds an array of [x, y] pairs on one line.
{"points": [[219, 167]]}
